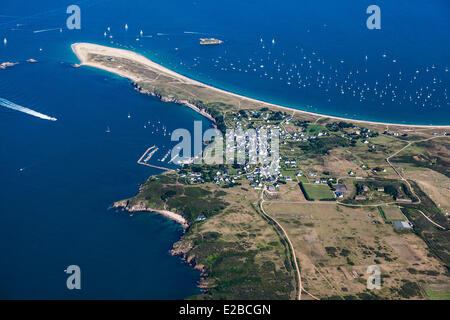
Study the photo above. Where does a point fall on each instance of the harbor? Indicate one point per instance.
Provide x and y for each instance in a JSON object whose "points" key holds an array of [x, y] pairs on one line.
{"points": [[147, 156]]}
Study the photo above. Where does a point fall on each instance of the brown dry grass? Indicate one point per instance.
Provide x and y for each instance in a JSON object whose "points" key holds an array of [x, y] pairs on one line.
{"points": [[435, 185], [315, 227]]}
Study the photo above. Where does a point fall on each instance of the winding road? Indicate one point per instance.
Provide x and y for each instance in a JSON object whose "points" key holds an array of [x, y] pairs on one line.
{"points": [[297, 269]]}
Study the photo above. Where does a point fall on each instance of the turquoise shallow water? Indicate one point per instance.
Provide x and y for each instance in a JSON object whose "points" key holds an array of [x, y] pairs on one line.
{"points": [[317, 56], [55, 211]]}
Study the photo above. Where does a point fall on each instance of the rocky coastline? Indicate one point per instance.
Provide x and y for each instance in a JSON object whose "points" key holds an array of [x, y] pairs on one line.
{"points": [[180, 248], [173, 99], [141, 206]]}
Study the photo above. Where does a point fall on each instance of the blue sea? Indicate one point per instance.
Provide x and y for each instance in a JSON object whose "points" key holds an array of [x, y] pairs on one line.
{"points": [[59, 178]]}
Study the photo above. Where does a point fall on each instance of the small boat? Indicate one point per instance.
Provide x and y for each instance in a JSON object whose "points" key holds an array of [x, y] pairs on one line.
{"points": [[126, 26], [141, 33], [5, 41], [108, 130], [210, 41], [129, 116]]}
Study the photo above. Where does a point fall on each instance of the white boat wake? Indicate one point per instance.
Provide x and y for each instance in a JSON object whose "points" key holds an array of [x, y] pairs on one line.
{"points": [[193, 32], [12, 105], [46, 30]]}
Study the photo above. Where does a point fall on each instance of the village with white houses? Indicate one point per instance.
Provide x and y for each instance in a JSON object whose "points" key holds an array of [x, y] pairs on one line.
{"points": [[299, 147]]}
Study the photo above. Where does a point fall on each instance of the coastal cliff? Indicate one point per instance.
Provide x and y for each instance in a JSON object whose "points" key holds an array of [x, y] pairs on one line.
{"points": [[173, 99], [142, 206], [219, 238], [184, 250], [180, 248]]}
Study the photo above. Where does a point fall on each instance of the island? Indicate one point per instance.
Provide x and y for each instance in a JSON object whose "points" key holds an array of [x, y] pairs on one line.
{"points": [[348, 194]]}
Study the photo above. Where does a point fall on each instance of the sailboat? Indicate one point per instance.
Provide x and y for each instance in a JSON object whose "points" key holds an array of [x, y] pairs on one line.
{"points": [[108, 130]]}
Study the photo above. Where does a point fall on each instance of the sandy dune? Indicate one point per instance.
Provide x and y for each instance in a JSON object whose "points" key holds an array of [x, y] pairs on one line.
{"points": [[83, 49]]}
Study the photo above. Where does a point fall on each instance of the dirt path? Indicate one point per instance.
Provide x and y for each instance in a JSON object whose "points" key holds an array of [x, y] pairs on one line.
{"points": [[437, 225], [406, 181], [398, 172], [297, 269], [401, 178]]}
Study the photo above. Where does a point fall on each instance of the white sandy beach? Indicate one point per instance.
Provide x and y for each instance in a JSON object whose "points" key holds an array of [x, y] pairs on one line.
{"points": [[172, 216], [141, 206], [82, 50]]}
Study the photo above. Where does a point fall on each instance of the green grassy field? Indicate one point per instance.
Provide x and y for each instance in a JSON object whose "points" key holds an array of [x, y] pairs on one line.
{"points": [[317, 191], [437, 295], [315, 128], [393, 213]]}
